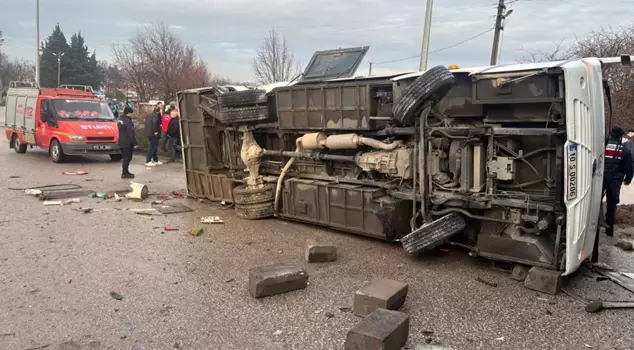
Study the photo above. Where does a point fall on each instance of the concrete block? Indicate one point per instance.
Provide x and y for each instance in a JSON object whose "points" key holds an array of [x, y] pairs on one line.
{"points": [[381, 330], [544, 280], [519, 272], [276, 279], [379, 293], [317, 252]]}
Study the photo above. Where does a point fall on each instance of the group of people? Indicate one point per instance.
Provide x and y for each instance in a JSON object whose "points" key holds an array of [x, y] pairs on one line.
{"points": [[160, 126], [162, 129]]}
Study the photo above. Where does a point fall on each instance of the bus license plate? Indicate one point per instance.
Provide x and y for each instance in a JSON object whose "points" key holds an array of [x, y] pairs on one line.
{"points": [[102, 147]]}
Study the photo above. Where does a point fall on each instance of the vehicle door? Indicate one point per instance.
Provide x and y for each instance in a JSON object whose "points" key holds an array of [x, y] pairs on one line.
{"points": [[46, 125], [583, 163]]}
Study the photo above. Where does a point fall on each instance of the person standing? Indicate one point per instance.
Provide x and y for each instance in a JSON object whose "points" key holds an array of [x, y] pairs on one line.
{"points": [[152, 132], [174, 133], [618, 170], [115, 108], [165, 121], [127, 141]]}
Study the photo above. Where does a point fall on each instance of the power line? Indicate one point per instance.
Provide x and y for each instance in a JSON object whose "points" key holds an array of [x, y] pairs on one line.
{"points": [[441, 49]]}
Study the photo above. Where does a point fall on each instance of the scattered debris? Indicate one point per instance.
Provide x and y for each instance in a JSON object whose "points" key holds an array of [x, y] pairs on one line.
{"points": [[170, 228], [588, 346], [329, 315], [32, 192], [99, 195], [116, 296], [276, 279], [14, 177], [625, 245], [7, 335], [277, 332], [117, 198], [519, 272], [317, 252], [549, 313], [615, 276], [139, 191], [145, 216], [230, 280], [380, 293], [145, 211], [211, 220], [76, 172], [196, 231], [175, 208], [490, 284], [158, 202], [39, 347], [71, 201], [345, 309], [383, 329], [598, 305], [84, 210], [93, 180]]}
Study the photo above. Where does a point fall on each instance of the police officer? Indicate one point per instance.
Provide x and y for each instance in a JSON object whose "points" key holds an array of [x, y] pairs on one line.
{"points": [[618, 170], [127, 141]]}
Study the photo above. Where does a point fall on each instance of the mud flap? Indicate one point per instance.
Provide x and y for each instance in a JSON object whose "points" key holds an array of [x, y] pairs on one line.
{"points": [[433, 234]]}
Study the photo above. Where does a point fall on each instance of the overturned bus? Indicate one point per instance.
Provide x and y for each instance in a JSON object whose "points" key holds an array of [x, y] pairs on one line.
{"points": [[506, 161]]}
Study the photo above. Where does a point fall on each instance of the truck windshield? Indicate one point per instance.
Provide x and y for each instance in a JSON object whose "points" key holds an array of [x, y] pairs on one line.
{"points": [[82, 110]]}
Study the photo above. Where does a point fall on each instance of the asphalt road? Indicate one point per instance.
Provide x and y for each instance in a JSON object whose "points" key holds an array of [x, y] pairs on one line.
{"points": [[60, 265]]}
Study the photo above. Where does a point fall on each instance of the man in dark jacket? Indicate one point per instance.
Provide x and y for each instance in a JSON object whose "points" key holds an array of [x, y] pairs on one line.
{"points": [[618, 170], [153, 132], [174, 133], [127, 141]]}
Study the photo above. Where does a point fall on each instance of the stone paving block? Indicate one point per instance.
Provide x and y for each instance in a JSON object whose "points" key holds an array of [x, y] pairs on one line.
{"points": [[544, 280], [519, 272], [379, 293], [381, 330], [317, 252], [275, 279]]}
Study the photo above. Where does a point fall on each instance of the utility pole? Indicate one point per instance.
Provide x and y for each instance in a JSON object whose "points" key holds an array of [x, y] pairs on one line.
{"points": [[370, 70], [37, 44], [424, 51], [498, 30], [59, 67]]}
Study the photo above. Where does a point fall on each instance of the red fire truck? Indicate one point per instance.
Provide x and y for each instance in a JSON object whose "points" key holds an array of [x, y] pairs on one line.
{"points": [[66, 122]]}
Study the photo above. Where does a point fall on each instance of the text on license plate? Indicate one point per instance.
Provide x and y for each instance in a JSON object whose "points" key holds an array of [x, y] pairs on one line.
{"points": [[572, 172], [102, 147]]}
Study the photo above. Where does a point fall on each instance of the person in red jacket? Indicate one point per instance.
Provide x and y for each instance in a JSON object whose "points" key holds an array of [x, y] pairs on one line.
{"points": [[165, 121]]}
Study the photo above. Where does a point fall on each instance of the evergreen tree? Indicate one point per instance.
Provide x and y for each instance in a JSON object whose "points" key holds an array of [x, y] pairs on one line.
{"points": [[78, 65], [54, 44]]}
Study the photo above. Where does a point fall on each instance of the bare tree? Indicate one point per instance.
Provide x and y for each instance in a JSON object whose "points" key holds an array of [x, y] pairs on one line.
{"points": [[605, 42], [157, 63], [274, 60], [17, 69], [558, 53]]}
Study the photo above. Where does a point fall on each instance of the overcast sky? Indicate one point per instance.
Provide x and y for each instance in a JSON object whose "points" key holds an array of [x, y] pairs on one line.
{"points": [[227, 33]]}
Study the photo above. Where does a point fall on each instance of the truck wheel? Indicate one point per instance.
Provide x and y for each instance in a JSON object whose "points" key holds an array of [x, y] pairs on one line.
{"points": [[56, 152], [19, 148], [429, 88], [242, 98], [116, 157], [255, 211], [244, 114], [433, 234], [243, 195]]}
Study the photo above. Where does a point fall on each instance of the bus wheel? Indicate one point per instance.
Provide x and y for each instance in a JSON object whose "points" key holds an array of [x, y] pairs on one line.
{"points": [[19, 148]]}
